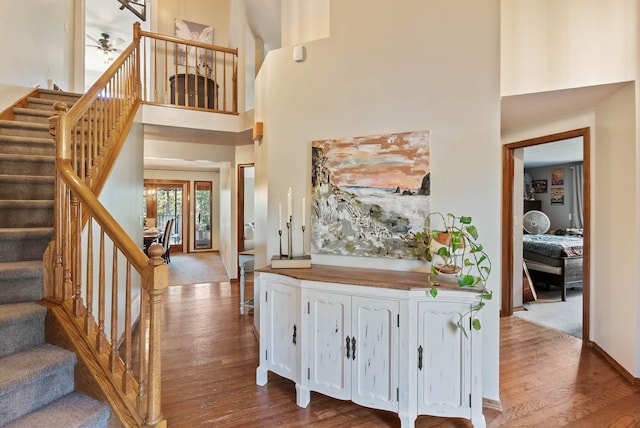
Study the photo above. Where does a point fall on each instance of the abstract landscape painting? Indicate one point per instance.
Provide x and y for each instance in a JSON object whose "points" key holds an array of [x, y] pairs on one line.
{"points": [[370, 195]]}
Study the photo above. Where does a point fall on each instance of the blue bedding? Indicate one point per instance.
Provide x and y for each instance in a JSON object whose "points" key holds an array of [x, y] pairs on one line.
{"points": [[553, 245]]}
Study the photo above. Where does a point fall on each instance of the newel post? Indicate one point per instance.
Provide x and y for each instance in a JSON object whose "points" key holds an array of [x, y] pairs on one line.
{"points": [[158, 278]]}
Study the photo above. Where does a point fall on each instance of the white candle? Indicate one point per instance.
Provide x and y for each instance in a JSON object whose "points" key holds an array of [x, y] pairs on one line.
{"points": [[289, 205], [279, 216], [303, 208]]}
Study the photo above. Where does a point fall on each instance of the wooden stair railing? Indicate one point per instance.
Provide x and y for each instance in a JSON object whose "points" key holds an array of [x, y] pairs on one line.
{"points": [[95, 272], [98, 282], [189, 74]]}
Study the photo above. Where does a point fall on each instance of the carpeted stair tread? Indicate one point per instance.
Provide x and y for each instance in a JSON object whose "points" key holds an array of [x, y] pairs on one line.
{"points": [[19, 244], [21, 281], [44, 103], [33, 378], [35, 115], [26, 213], [50, 94], [21, 327], [12, 144], [71, 411], [16, 124], [17, 156], [27, 187], [30, 364], [39, 179], [15, 233], [21, 269]]}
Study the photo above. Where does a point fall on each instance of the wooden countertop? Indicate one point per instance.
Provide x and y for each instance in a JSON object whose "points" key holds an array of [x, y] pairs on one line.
{"points": [[398, 280]]}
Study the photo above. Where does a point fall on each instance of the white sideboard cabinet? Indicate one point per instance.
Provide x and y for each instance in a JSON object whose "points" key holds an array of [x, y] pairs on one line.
{"points": [[374, 337]]}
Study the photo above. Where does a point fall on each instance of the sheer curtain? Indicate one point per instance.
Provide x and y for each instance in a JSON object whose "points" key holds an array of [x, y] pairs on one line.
{"points": [[577, 201]]}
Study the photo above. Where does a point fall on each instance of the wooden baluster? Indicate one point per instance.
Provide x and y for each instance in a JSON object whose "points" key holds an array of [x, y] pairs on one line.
{"points": [[114, 356], [143, 361], [77, 269], [101, 339], [224, 77], [89, 320], [175, 74], [166, 71], [67, 285], [91, 118], [215, 79], [235, 84], [127, 376]]}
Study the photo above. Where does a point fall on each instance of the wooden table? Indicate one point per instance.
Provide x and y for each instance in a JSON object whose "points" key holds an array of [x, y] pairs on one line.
{"points": [[150, 237]]}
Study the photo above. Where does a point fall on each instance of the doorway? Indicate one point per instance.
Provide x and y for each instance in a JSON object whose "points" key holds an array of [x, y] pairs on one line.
{"points": [[508, 214], [165, 200], [203, 209], [246, 188]]}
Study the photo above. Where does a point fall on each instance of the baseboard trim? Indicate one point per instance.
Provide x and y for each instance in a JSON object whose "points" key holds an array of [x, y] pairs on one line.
{"points": [[609, 359], [492, 404]]}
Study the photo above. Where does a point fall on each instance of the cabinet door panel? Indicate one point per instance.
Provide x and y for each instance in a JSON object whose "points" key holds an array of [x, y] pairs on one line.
{"points": [[443, 381], [329, 319], [283, 308], [374, 378]]}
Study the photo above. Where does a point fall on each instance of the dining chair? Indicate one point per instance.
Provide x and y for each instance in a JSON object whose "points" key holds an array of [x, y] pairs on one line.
{"points": [[166, 240]]}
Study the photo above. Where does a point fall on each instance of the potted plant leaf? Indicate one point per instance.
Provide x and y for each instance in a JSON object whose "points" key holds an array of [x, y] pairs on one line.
{"points": [[450, 243]]}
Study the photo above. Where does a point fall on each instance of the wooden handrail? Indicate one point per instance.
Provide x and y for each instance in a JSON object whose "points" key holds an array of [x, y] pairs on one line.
{"points": [[88, 139], [178, 40]]}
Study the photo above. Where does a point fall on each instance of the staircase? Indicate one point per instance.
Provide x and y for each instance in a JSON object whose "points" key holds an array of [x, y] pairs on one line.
{"points": [[36, 378]]}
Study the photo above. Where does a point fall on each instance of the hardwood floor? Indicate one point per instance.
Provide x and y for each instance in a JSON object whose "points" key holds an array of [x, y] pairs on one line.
{"points": [[547, 379]]}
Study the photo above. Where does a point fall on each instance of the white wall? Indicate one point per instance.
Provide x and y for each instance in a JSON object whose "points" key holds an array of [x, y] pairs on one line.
{"points": [[616, 246], [37, 46], [364, 80], [559, 44], [122, 195]]}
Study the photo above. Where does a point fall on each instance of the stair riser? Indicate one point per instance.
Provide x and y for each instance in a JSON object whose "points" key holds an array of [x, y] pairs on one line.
{"points": [[26, 191], [26, 216], [21, 250], [18, 335], [30, 397], [21, 148], [25, 132], [26, 167], [20, 290]]}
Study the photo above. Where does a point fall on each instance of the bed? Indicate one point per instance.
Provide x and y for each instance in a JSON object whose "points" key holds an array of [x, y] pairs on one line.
{"points": [[554, 260]]}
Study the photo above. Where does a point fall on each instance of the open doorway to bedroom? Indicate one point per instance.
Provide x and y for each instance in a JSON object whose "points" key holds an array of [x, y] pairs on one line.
{"points": [[560, 270]]}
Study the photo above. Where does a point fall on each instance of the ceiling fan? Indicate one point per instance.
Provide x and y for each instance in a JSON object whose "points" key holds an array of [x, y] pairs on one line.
{"points": [[106, 45]]}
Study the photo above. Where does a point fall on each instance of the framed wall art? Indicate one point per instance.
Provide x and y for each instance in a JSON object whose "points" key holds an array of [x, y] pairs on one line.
{"points": [[186, 55], [370, 194], [557, 177], [539, 186], [557, 196]]}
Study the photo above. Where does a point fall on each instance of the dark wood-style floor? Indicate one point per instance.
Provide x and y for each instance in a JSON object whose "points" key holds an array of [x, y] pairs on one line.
{"points": [[210, 353]]}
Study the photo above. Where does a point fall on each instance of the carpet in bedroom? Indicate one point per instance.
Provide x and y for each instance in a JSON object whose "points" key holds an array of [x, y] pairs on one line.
{"points": [[550, 311], [196, 268]]}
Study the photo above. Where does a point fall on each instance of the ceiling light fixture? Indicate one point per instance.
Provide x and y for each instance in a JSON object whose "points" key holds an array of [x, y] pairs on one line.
{"points": [[137, 7]]}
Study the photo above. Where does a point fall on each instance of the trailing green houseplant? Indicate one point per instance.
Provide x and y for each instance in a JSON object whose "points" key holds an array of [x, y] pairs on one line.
{"points": [[450, 244]]}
